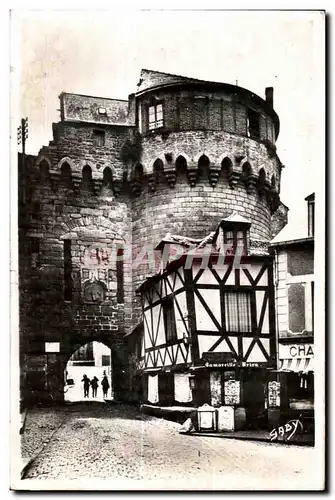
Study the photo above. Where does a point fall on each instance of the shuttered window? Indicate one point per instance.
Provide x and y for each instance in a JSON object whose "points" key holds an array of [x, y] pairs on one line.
{"points": [[169, 321], [238, 311]]}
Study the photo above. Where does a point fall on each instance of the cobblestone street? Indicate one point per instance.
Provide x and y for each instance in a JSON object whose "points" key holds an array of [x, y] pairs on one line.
{"points": [[125, 448]]}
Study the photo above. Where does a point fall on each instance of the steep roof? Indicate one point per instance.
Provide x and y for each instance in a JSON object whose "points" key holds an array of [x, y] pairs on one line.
{"points": [[151, 79]]}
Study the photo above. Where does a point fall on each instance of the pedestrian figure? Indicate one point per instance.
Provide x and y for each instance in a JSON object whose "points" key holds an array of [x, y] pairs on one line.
{"points": [[105, 386], [86, 381], [94, 384]]}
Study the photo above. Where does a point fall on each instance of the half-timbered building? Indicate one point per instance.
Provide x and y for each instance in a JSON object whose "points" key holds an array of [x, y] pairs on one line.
{"points": [[209, 324]]}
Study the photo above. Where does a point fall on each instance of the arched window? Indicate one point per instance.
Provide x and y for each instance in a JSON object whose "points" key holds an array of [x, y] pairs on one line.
{"points": [[87, 181], [66, 175], [227, 167], [261, 177], [158, 169], [203, 165], [181, 167], [273, 182], [246, 171], [107, 177]]}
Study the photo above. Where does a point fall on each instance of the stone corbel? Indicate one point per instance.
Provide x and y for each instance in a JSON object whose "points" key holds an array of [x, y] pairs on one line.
{"points": [[97, 185], [117, 187], [273, 199], [233, 178], [192, 174], [55, 180], [251, 183], [171, 175], [214, 173], [136, 186], [76, 181], [264, 188]]}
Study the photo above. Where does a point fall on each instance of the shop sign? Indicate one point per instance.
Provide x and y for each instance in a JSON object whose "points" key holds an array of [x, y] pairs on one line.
{"points": [[296, 351], [234, 365], [51, 346]]}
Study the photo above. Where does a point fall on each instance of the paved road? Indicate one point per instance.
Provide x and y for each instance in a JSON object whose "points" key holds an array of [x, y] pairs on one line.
{"points": [[122, 448]]}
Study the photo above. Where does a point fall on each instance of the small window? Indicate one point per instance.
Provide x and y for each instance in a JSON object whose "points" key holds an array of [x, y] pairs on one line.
{"points": [[120, 274], [234, 239], [35, 211], [155, 116], [238, 311], [35, 252], [169, 321], [67, 270], [102, 111], [98, 138], [253, 124], [296, 307]]}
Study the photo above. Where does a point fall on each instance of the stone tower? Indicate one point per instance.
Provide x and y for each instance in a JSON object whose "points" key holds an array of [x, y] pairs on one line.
{"points": [[208, 150]]}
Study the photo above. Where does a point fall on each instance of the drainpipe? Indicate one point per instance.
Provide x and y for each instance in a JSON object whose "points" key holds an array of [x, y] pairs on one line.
{"points": [[276, 273]]}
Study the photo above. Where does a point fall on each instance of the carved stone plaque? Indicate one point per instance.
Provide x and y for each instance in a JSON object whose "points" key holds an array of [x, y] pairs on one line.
{"points": [[94, 292]]}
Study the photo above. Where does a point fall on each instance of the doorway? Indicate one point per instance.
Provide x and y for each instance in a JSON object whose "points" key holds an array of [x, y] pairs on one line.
{"points": [[92, 361]]}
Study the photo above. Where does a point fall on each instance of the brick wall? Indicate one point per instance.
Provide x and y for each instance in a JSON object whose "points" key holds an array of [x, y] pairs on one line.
{"points": [[200, 110]]}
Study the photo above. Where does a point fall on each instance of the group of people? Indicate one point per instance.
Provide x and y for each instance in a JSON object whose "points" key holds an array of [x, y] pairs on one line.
{"points": [[94, 384]]}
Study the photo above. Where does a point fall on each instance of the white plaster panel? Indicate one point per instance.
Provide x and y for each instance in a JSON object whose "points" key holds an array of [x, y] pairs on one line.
{"points": [[181, 328], [206, 342], [203, 320], [182, 391], [153, 388]]}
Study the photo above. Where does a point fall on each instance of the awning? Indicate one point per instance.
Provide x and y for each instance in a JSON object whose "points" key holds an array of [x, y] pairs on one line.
{"points": [[296, 365]]}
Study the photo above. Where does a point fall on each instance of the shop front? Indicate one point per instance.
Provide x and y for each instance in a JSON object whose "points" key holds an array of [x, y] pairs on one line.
{"points": [[296, 372], [226, 384]]}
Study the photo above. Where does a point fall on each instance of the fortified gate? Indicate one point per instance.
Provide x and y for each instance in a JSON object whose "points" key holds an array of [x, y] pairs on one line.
{"points": [[179, 156]]}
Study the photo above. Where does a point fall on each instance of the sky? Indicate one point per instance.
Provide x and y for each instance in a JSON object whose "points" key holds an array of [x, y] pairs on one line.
{"points": [[101, 52]]}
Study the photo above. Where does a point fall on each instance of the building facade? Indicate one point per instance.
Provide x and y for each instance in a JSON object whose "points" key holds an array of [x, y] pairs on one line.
{"points": [[180, 156], [294, 276]]}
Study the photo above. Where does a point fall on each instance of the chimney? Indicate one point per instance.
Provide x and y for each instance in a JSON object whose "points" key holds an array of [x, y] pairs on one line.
{"points": [[269, 96], [311, 213]]}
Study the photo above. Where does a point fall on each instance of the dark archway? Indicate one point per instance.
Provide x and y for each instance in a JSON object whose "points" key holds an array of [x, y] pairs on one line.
{"points": [[181, 168], [44, 172], [107, 182], [227, 167], [158, 171], [87, 181], [66, 176], [203, 166]]}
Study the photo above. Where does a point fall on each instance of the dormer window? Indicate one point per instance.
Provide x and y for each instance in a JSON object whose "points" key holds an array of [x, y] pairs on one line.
{"points": [[235, 238], [155, 116]]}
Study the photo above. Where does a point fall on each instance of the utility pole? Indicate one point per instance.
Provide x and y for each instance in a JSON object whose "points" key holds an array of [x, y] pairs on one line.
{"points": [[22, 136]]}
